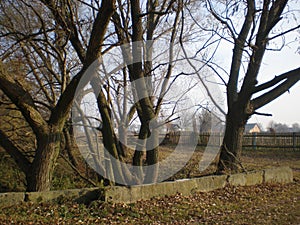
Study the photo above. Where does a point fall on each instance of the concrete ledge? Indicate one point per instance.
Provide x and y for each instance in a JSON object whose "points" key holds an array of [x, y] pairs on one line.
{"points": [[278, 175], [202, 184], [238, 179], [79, 195], [253, 178], [185, 187], [210, 183], [10, 199], [143, 192], [246, 179]]}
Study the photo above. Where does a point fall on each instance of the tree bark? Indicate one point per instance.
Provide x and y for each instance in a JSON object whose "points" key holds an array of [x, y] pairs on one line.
{"points": [[231, 148], [109, 136], [152, 157], [139, 152], [42, 168]]}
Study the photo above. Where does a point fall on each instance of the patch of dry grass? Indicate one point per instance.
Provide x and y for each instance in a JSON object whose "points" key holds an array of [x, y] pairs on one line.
{"points": [[260, 204]]}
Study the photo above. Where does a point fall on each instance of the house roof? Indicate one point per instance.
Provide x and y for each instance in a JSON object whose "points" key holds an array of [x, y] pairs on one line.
{"points": [[250, 126]]}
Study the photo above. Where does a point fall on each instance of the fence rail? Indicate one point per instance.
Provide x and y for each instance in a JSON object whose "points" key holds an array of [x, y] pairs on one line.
{"points": [[267, 140], [254, 140]]}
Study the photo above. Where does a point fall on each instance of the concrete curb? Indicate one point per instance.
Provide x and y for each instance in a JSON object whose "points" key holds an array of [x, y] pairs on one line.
{"points": [[142, 192]]}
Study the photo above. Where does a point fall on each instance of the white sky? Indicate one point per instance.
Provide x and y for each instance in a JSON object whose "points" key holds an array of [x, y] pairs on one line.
{"points": [[286, 108]]}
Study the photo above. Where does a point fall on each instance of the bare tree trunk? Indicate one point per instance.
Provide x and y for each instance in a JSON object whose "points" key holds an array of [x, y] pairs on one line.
{"points": [[231, 148], [109, 137], [40, 174], [123, 137], [152, 157], [139, 152]]}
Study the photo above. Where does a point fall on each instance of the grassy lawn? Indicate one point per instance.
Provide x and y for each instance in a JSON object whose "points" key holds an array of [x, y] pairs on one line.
{"points": [[260, 204]]}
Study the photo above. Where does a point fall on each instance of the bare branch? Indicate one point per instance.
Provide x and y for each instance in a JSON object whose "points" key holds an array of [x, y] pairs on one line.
{"points": [[276, 80], [238, 53], [284, 33], [291, 79], [23, 100]]}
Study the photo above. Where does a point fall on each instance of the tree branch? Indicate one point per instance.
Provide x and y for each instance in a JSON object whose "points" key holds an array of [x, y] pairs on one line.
{"points": [[98, 31], [238, 54], [68, 26], [61, 111], [23, 100], [274, 81], [293, 78], [22, 162], [262, 114]]}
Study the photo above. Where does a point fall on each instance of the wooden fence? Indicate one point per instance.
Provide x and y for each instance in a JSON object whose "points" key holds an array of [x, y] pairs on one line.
{"points": [[254, 140], [268, 140]]}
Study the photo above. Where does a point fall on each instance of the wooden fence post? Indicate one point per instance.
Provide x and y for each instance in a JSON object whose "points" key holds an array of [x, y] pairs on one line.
{"points": [[294, 141], [254, 140]]}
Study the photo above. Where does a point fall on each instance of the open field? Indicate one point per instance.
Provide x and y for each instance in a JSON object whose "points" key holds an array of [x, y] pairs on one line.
{"points": [[260, 204]]}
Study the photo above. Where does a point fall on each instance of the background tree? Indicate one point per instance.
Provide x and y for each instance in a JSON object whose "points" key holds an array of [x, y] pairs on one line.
{"points": [[146, 78], [283, 128]]}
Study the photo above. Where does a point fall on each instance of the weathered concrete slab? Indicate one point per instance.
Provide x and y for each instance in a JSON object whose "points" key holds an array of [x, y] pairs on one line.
{"points": [[154, 190], [139, 192], [278, 175], [184, 186], [10, 199], [237, 179], [79, 195], [117, 194], [246, 179], [210, 183], [253, 178]]}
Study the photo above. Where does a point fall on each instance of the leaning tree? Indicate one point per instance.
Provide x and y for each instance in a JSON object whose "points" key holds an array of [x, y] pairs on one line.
{"points": [[47, 31]]}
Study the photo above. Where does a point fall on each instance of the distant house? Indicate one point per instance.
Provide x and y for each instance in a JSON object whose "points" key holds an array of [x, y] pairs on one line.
{"points": [[252, 128]]}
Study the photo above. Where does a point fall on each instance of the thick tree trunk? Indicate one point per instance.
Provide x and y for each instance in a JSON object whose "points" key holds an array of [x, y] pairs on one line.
{"points": [[109, 138], [40, 174], [231, 148], [110, 145]]}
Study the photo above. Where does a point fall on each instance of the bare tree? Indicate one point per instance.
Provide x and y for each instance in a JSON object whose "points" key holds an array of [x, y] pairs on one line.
{"points": [[251, 38], [42, 22]]}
